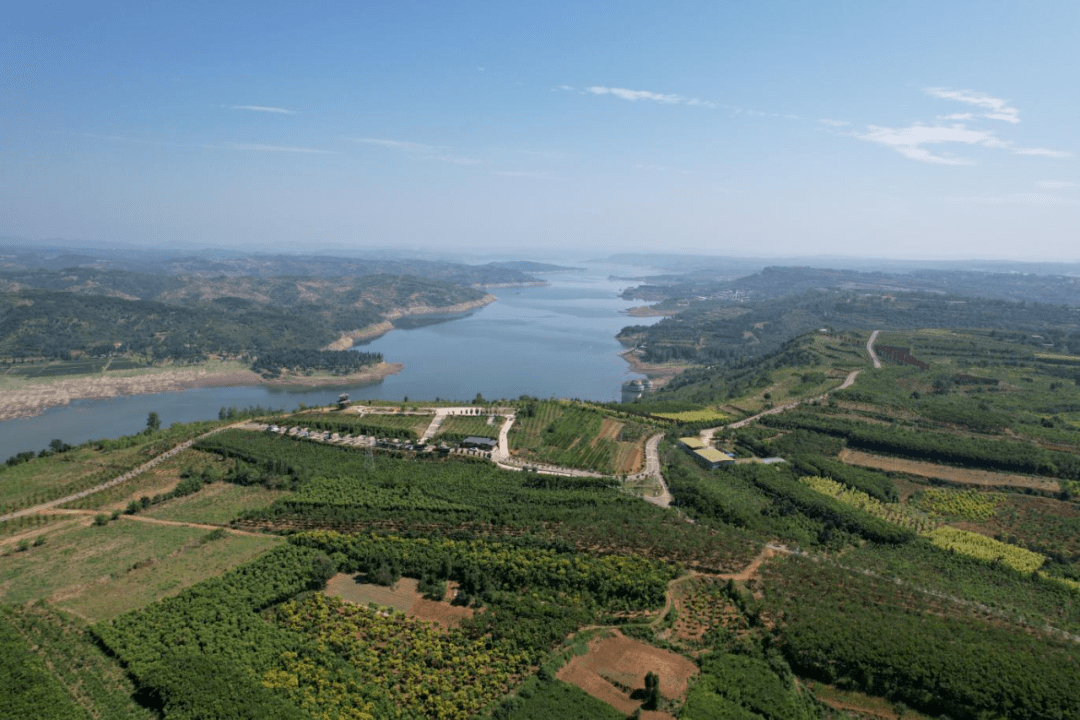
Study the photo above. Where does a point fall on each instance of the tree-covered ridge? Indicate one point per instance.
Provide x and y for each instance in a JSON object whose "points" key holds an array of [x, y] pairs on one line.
{"points": [[278, 322], [35, 323], [1044, 285], [709, 332], [78, 310], [25, 262]]}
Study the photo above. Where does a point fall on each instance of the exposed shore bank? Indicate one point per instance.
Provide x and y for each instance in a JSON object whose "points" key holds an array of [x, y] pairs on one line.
{"points": [[350, 338], [34, 399], [649, 311], [659, 373]]}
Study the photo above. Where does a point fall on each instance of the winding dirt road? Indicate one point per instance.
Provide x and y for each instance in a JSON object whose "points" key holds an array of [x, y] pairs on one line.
{"points": [[707, 434], [870, 348], [115, 481]]}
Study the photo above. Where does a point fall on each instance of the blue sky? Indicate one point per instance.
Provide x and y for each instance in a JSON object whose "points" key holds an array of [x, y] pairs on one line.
{"points": [[903, 129]]}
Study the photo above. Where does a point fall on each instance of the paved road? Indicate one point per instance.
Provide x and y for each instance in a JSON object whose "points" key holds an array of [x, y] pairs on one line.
{"points": [[653, 471], [433, 427], [502, 453], [870, 348], [115, 481]]}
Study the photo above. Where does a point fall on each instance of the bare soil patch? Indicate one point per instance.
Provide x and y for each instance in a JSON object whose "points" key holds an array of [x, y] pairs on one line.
{"points": [[33, 399], [577, 674], [629, 460], [660, 374], [649, 311], [616, 661], [609, 430], [985, 478], [402, 596]]}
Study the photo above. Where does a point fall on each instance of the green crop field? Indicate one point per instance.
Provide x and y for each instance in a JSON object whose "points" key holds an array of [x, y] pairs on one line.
{"points": [[215, 504], [456, 427], [101, 571]]}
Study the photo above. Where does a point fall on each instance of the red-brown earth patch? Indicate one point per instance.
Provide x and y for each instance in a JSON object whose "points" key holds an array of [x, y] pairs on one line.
{"points": [[615, 661], [402, 596]]}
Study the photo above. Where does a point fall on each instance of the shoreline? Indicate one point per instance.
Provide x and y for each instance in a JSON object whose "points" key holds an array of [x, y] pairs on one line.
{"points": [[33, 400], [659, 374], [535, 283], [648, 311], [350, 338]]}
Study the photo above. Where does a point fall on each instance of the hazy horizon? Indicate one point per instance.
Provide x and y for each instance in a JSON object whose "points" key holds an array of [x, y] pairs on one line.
{"points": [[785, 129]]}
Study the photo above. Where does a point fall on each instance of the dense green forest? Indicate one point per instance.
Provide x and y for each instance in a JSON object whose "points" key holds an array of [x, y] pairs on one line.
{"points": [[278, 323]]}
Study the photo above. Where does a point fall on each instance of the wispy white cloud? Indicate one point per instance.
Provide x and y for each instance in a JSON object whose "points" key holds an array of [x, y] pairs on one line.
{"points": [[673, 99], [910, 141], [1042, 152], [649, 95], [256, 147], [427, 152], [1032, 199], [964, 117], [997, 108], [1056, 184], [833, 123], [263, 108]]}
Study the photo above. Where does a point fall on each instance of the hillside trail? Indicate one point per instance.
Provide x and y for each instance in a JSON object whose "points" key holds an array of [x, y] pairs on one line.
{"points": [[155, 521], [707, 434], [870, 348], [37, 509]]}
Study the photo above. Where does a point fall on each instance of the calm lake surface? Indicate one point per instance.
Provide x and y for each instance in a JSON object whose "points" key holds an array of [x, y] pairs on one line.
{"points": [[556, 341]]}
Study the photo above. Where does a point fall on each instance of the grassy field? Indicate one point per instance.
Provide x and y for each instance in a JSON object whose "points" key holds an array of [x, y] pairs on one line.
{"points": [[466, 425], [100, 572], [216, 504], [159, 479], [48, 478], [977, 382], [690, 416]]}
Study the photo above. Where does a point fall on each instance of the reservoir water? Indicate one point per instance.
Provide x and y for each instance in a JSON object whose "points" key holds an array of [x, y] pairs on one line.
{"points": [[554, 341]]}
